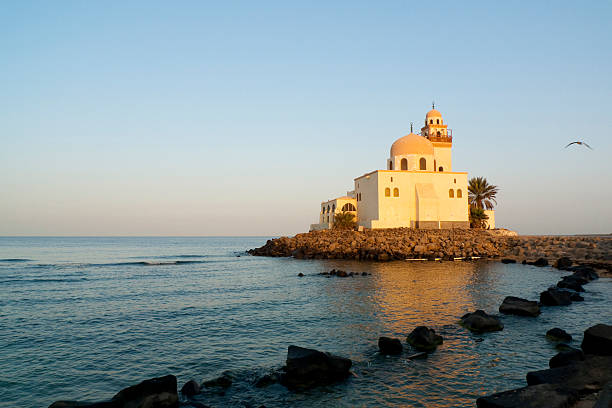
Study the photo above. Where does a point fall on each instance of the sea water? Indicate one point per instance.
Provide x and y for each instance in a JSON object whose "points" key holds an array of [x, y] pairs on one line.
{"points": [[82, 318]]}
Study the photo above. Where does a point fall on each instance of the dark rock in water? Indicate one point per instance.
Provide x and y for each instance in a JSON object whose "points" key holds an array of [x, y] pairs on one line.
{"points": [[558, 334], [535, 396], [598, 340], [508, 261], [190, 388], [157, 392], [300, 274], [414, 356], [584, 272], [555, 297], [481, 322], [364, 274], [223, 382], [81, 404], [517, 306], [308, 368], [540, 262], [568, 283], [154, 393], [524, 262], [587, 376], [387, 345], [576, 297], [266, 380], [566, 357], [341, 274], [332, 272], [423, 338], [563, 263]]}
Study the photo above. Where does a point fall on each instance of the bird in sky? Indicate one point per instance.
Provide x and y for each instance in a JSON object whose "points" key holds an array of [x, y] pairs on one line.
{"points": [[579, 143]]}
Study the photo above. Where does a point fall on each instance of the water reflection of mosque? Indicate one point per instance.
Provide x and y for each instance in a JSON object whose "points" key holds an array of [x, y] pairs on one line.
{"points": [[408, 294]]}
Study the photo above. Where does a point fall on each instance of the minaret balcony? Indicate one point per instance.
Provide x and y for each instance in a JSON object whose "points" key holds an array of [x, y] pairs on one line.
{"points": [[445, 139]]}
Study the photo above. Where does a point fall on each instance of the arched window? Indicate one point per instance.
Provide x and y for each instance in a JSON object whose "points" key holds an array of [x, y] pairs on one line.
{"points": [[423, 164], [396, 192], [431, 121], [328, 209], [323, 210], [387, 192], [459, 194], [437, 123], [390, 165], [438, 133], [334, 208], [404, 164], [451, 193], [348, 207], [440, 168]]}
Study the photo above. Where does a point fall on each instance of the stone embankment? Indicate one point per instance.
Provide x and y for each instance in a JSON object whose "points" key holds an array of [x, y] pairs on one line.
{"points": [[406, 243]]}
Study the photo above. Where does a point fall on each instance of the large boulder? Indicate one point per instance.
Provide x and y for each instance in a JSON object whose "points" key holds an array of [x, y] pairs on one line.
{"points": [[598, 340], [224, 381], [480, 322], [585, 377], [535, 396], [566, 357], [518, 306], [423, 338], [558, 334], [555, 297], [387, 345], [540, 262], [307, 368], [154, 393], [569, 282]]}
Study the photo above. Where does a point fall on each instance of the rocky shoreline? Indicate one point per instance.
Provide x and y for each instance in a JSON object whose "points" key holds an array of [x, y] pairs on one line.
{"points": [[406, 243]]}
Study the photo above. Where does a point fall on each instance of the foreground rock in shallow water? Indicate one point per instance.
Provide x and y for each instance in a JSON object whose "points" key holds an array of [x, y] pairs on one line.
{"points": [[566, 357], [536, 396], [585, 377], [424, 339], [307, 368], [154, 393], [598, 340], [555, 297], [521, 307], [480, 322], [387, 345]]}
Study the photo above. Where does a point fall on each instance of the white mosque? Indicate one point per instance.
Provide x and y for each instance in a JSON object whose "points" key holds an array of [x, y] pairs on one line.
{"points": [[419, 189]]}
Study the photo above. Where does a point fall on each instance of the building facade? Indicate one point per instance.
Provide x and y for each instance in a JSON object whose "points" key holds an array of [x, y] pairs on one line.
{"points": [[418, 188]]}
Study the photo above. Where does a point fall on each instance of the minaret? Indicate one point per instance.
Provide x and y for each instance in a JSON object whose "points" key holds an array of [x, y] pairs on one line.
{"points": [[440, 136]]}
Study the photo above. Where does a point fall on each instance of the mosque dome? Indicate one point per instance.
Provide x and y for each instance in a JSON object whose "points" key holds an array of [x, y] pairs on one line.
{"points": [[433, 114], [411, 144]]}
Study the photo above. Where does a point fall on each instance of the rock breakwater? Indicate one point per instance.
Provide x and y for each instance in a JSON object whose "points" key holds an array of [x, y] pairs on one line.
{"points": [[407, 243]]}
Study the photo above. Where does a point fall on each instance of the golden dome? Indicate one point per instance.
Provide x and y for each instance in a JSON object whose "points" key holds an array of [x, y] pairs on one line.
{"points": [[411, 144], [433, 114]]}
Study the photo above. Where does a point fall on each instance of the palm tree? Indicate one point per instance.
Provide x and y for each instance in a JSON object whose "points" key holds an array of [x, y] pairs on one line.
{"points": [[481, 194], [477, 217], [344, 220]]}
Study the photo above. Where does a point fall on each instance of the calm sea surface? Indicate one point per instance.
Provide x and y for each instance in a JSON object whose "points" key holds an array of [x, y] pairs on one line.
{"points": [[82, 318]]}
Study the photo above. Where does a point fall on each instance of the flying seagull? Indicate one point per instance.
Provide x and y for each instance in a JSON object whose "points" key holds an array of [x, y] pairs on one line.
{"points": [[579, 143]]}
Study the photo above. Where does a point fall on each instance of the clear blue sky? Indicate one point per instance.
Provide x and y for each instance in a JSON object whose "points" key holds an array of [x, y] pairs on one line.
{"points": [[239, 118]]}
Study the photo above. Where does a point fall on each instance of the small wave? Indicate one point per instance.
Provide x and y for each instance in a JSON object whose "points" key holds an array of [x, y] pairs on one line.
{"points": [[35, 280], [148, 263], [170, 256], [15, 260]]}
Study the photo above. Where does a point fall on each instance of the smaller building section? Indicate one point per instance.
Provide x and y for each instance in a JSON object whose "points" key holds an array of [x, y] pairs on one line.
{"points": [[330, 208], [490, 222]]}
